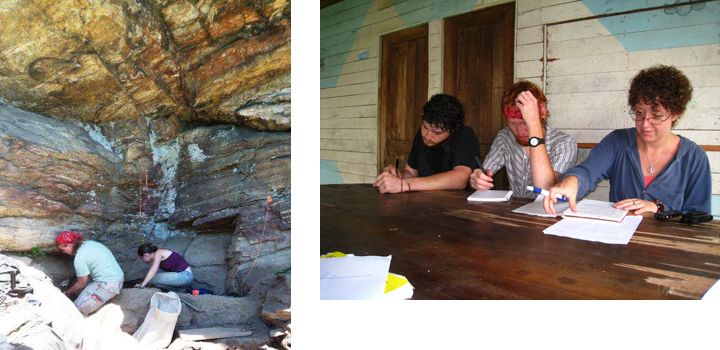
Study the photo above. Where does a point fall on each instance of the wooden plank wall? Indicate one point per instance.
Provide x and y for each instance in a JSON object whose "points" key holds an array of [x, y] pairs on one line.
{"points": [[587, 74], [349, 109]]}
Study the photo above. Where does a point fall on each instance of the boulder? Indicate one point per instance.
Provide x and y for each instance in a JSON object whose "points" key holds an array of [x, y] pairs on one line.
{"points": [[212, 311]]}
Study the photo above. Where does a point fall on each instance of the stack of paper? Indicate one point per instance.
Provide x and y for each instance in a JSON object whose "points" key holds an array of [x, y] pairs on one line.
{"points": [[397, 288], [592, 209], [596, 221], [490, 196], [349, 277]]}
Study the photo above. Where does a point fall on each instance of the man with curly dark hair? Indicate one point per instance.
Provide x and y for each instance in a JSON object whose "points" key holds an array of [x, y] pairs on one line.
{"points": [[650, 168], [534, 153], [442, 155]]}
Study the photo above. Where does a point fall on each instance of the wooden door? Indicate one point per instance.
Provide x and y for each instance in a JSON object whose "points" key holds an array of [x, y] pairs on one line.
{"points": [[403, 92], [479, 59]]}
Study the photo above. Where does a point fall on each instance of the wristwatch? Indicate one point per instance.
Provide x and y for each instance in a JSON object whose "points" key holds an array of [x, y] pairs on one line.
{"points": [[534, 141]]}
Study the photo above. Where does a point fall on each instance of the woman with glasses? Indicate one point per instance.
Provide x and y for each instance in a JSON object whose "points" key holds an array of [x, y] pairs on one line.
{"points": [[650, 168]]}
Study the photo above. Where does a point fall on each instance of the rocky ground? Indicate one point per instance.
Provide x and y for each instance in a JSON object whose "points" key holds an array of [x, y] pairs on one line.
{"points": [[46, 318]]}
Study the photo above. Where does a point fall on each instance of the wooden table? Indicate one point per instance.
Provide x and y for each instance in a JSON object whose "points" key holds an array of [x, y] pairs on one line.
{"points": [[449, 248]]}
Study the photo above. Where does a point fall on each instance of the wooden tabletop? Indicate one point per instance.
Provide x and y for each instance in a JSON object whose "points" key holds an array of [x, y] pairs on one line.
{"points": [[450, 248]]}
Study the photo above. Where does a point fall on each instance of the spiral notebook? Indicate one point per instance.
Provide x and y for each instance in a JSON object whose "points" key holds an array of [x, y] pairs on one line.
{"points": [[490, 196]]}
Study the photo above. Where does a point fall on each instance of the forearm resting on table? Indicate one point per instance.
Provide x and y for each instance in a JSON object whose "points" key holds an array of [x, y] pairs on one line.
{"points": [[449, 180], [408, 172]]}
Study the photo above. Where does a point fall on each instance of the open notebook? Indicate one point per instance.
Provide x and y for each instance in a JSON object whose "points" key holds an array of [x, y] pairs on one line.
{"points": [[490, 196], [596, 221], [592, 209]]}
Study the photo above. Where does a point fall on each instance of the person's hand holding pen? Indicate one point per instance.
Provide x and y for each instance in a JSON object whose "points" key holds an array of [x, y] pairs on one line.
{"points": [[392, 170], [480, 179], [566, 187], [391, 180]]}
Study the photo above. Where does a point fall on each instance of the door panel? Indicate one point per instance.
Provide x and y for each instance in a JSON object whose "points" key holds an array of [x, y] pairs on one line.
{"points": [[403, 92], [479, 49]]}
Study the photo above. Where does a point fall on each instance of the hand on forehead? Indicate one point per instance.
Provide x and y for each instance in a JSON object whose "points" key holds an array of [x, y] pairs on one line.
{"points": [[525, 98], [525, 101]]}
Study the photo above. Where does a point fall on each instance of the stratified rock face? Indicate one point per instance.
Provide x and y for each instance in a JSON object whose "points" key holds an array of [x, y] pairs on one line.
{"points": [[53, 175], [225, 177], [102, 61], [202, 192], [225, 171]]}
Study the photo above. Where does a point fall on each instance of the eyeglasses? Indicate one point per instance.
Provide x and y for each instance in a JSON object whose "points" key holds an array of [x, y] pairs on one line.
{"points": [[639, 117]]}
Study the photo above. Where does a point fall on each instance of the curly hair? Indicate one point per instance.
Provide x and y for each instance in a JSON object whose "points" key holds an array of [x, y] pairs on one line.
{"points": [[512, 92], [444, 112], [661, 85]]}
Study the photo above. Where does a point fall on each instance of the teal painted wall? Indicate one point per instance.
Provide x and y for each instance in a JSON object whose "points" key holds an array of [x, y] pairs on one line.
{"points": [[329, 173], [340, 24], [685, 25], [339, 27]]}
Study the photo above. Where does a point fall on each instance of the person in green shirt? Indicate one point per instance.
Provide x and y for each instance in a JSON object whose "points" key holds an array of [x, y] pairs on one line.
{"points": [[99, 277]]}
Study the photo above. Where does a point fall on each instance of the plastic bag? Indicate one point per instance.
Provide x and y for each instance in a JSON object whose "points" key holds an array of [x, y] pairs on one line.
{"points": [[157, 329]]}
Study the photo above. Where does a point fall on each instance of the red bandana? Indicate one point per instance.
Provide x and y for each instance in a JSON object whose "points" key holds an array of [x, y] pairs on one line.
{"points": [[514, 112], [67, 237]]}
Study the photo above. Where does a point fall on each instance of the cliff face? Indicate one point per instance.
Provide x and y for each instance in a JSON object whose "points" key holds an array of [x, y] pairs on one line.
{"points": [[162, 121], [105, 61]]}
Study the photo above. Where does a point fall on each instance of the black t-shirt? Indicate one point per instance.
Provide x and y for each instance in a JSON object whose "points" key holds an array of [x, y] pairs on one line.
{"points": [[460, 149]]}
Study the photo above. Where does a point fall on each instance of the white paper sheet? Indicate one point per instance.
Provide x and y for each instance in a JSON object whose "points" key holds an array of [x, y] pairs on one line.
{"points": [[353, 277], [589, 208], [536, 208], [490, 196], [596, 230], [713, 293]]}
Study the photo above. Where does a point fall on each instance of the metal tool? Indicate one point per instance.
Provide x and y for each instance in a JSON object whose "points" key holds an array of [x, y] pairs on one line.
{"points": [[190, 305], [15, 290]]}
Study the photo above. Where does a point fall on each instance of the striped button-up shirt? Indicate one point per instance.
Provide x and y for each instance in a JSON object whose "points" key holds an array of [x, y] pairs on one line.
{"points": [[506, 152]]}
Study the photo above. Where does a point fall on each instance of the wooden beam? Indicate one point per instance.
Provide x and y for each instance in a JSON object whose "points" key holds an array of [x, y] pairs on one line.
{"points": [[707, 148]]}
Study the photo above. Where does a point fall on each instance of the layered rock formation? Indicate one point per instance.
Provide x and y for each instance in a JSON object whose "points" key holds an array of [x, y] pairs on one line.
{"points": [[104, 61], [203, 193], [163, 121]]}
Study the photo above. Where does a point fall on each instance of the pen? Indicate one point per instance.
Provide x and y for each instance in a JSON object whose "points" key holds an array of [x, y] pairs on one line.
{"points": [[477, 159], [546, 193], [397, 166]]}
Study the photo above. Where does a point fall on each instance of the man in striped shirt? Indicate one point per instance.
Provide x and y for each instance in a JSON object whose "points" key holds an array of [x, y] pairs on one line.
{"points": [[534, 153]]}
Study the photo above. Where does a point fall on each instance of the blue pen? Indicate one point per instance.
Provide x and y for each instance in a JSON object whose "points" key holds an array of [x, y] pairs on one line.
{"points": [[546, 193]]}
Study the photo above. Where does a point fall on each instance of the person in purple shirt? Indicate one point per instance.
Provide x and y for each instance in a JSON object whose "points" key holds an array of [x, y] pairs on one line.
{"points": [[175, 271]]}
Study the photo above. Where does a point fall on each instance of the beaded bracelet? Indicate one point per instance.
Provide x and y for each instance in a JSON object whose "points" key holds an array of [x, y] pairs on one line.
{"points": [[660, 205]]}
